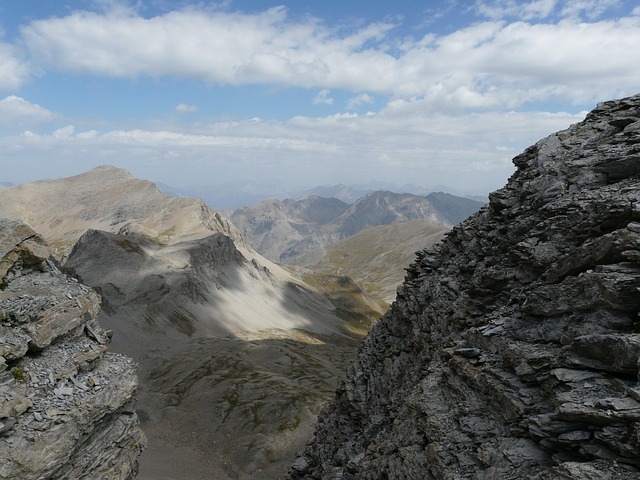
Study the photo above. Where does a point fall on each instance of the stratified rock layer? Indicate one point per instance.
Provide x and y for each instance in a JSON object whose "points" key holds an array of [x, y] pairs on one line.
{"points": [[66, 404], [512, 349]]}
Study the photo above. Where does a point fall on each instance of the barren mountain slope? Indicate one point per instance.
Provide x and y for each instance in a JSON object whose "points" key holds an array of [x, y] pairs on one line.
{"points": [[376, 258], [201, 287], [512, 348], [275, 226], [214, 326], [455, 209], [298, 232], [110, 199], [386, 208]]}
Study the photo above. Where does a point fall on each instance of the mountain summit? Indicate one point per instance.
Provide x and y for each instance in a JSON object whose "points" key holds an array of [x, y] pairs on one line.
{"points": [[512, 348], [110, 199]]}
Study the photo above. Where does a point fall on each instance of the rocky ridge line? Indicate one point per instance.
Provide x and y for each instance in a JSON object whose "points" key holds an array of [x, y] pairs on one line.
{"points": [[67, 409], [512, 350]]}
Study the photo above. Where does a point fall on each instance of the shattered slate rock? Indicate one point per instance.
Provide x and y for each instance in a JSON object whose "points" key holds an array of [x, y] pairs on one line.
{"points": [[65, 402], [512, 350]]}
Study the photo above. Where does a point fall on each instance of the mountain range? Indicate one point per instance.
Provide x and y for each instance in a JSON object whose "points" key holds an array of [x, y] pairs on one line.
{"points": [[229, 196], [205, 316], [510, 349], [298, 231]]}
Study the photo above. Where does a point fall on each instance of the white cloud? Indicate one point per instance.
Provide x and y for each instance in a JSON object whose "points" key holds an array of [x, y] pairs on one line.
{"points": [[489, 65], [323, 98], [87, 135], [64, 132], [360, 99], [590, 9], [402, 143], [214, 46], [18, 114], [184, 108], [13, 71], [534, 9]]}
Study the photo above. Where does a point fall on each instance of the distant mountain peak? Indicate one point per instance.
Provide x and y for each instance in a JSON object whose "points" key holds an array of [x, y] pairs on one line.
{"points": [[297, 231]]}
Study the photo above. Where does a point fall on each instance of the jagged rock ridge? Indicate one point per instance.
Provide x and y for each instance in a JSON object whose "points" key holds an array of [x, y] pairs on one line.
{"points": [[298, 231], [110, 199], [67, 408], [512, 348]]}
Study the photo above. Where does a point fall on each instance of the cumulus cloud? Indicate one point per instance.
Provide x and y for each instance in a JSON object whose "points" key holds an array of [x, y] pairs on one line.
{"points": [[491, 65], [361, 99], [215, 46], [64, 132], [184, 108], [323, 98], [16, 113]]}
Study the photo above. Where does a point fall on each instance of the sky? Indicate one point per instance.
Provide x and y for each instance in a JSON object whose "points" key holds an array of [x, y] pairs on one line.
{"points": [[305, 93]]}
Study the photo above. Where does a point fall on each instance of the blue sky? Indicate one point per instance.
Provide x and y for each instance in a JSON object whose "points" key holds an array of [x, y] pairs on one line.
{"points": [[304, 93]]}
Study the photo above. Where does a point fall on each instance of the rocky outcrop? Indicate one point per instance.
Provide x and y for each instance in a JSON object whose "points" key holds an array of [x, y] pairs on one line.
{"points": [[512, 350], [67, 409]]}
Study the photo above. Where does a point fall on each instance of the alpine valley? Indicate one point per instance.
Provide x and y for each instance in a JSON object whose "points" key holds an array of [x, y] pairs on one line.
{"points": [[236, 353], [509, 347]]}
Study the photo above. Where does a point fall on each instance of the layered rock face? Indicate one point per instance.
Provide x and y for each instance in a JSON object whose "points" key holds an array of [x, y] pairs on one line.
{"points": [[512, 348], [67, 404]]}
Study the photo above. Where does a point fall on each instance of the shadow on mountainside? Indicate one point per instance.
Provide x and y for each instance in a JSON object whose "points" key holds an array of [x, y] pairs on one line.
{"points": [[199, 288], [235, 362]]}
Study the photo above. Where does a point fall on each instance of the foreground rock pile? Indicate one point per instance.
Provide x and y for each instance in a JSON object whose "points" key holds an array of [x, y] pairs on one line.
{"points": [[66, 404], [512, 350]]}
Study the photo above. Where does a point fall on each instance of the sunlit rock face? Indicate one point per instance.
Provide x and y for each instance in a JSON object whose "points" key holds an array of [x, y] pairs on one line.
{"points": [[512, 348], [67, 408]]}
